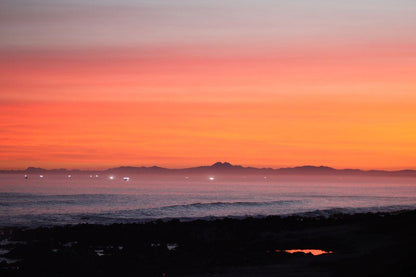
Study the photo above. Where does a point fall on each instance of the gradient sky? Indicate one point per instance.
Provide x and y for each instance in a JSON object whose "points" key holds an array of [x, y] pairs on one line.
{"points": [[102, 83]]}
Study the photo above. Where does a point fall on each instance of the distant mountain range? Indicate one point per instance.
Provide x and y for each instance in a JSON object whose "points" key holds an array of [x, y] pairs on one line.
{"points": [[219, 168]]}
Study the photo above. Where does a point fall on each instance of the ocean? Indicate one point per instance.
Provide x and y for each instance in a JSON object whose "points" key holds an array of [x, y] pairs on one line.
{"points": [[59, 200]]}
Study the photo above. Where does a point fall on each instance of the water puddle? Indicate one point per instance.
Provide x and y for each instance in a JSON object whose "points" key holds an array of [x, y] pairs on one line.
{"points": [[99, 252], [314, 252], [172, 246]]}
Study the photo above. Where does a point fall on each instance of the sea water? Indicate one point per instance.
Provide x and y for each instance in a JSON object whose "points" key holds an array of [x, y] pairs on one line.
{"points": [[58, 199]]}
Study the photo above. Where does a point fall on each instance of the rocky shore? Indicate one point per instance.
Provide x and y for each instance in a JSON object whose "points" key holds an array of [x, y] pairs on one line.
{"points": [[370, 244]]}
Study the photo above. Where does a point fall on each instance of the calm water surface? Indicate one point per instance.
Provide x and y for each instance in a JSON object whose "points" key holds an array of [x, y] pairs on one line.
{"points": [[57, 199]]}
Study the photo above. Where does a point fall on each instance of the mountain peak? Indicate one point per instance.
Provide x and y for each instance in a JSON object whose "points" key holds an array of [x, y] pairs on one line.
{"points": [[222, 165]]}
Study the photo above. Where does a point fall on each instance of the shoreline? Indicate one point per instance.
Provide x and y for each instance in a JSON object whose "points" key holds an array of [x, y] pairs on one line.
{"points": [[363, 244]]}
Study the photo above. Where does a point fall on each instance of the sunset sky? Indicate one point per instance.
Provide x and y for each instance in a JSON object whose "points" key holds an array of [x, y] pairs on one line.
{"points": [[103, 83]]}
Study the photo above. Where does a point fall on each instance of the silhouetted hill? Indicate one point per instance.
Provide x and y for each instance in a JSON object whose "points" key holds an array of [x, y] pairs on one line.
{"points": [[307, 169], [221, 168]]}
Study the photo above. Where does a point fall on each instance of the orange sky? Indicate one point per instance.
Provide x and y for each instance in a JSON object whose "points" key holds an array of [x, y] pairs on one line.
{"points": [[342, 95]]}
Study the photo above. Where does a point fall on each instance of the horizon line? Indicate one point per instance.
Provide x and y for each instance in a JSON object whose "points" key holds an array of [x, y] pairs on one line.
{"points": [[209, 165]]}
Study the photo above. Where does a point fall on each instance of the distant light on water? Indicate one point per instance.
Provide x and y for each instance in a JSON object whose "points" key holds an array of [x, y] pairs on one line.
{"points": [[40, 176], [111, 177], [211, 178]]}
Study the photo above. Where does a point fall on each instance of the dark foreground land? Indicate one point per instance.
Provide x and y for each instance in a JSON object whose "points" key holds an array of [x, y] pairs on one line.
{"points": [[363, 245]]}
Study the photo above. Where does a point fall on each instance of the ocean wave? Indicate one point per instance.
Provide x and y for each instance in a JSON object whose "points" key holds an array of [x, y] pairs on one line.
{"points": [[93, 218], [24, 200], [231, 204], [150, 215], [354, 210]]}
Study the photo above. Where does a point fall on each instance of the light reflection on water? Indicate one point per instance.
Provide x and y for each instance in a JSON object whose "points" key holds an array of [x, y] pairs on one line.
{"points": [[314, 252]]}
